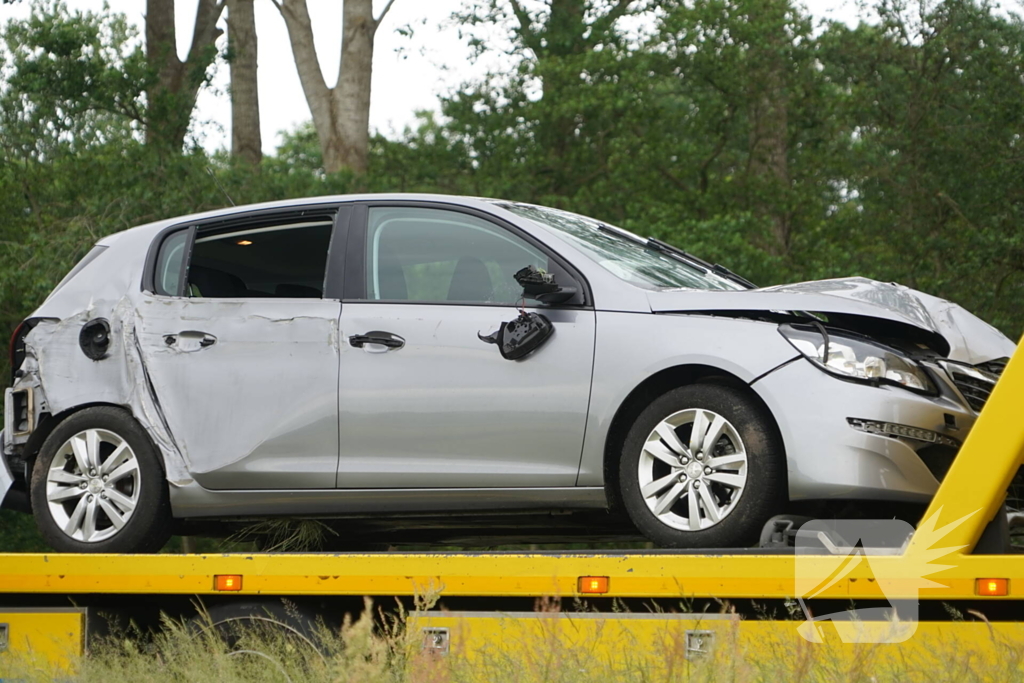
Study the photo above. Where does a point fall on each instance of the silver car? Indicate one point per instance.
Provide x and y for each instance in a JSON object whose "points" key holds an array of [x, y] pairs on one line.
{"points": [[401, 357]]}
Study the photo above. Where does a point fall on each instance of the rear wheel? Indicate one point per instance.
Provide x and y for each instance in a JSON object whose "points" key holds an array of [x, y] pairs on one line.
{"points": [[702, 466], [98, 486], [252, 620]]}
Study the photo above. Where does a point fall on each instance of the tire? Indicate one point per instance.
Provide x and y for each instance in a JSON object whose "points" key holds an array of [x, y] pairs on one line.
{"points": [[744, 482], [237, 621], [126, 499]]}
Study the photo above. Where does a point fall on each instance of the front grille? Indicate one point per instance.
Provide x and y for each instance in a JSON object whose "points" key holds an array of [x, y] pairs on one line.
{"points": [[995, 367], [975, 382]]}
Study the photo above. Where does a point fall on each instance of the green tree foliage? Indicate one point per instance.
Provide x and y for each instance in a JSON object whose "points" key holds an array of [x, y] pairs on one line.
{"points": [[932, 100], [546, 129]]}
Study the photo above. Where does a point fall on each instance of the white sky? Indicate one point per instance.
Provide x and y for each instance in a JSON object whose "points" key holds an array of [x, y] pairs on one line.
{"points": [[408, 72]]}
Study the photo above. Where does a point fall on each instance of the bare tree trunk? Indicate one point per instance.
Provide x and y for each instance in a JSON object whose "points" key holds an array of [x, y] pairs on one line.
{"points": [[341, 115], [769, 156], [769, 127], [246, 142], [172, 96], [352, 93]]}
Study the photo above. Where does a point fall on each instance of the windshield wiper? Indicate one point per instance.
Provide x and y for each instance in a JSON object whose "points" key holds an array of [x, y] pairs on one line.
{"points": [[621, 234], [683, 255], [679, 254], [738, 279]]}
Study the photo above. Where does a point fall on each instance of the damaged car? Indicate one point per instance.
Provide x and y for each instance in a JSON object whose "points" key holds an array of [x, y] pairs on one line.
{"points": [[393, 358]]}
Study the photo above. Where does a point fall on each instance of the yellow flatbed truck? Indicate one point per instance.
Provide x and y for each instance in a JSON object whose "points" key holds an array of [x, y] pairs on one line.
{"points": [[638, 603]]}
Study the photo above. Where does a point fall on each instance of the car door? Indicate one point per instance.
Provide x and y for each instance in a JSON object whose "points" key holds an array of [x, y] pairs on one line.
{"points": [[424, 402], [240, 347]]}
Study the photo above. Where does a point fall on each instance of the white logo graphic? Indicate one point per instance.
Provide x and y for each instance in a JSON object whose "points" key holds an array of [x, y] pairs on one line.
{"points": [[828, 551]]}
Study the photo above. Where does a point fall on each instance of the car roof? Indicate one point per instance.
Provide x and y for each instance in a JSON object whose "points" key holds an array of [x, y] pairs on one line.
{"points": [[156, 226]]}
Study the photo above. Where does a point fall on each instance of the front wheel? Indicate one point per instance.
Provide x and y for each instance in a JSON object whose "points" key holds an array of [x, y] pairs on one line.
{"points": [[98, 486], [702, 467]]}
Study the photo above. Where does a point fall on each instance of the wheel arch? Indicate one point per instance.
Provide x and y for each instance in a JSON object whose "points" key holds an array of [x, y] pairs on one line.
{"points": [[143, 523], [48, 423], [647, 391]]}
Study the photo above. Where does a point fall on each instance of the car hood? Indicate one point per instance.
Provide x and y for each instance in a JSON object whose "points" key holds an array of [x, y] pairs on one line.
{"points": [[970, 339]]}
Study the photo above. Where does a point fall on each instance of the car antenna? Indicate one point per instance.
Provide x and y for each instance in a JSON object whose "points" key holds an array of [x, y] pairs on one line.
{"points": [[219, 186]]}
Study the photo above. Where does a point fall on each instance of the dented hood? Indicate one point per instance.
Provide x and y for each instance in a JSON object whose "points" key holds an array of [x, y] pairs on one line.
{"points": [[970, 339]]}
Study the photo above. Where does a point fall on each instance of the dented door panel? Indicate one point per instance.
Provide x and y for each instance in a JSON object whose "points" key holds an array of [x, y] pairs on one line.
{"points": [[446, 410], [248, 387]]}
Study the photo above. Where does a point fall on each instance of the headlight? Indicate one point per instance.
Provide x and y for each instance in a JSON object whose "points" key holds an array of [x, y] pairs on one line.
{"points": [[857, 358]]}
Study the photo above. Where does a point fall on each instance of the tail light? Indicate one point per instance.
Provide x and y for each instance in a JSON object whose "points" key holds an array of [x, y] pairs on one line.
{"points": [[17, 353], [22, 411]]}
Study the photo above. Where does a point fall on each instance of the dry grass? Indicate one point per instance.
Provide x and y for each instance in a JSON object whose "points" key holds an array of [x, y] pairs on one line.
{"points": [[365, 651], [286, 535]]}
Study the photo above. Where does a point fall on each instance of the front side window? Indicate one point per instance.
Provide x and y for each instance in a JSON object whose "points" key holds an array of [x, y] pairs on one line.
{"points": [[282, 261], [438, 256]]}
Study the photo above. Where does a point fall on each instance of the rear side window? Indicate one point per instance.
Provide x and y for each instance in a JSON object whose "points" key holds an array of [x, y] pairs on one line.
{"points": [[286, 261]]}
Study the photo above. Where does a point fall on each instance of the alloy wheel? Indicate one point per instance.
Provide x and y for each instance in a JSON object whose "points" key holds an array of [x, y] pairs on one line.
{"points": [[93, 485], [693, 469]]}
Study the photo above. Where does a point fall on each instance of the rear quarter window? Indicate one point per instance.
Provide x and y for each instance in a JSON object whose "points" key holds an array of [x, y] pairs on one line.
{"points": [[167, 280]]}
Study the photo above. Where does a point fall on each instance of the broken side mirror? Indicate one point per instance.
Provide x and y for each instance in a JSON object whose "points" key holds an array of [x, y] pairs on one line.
{"points": [[542, 286], [520, 337]]}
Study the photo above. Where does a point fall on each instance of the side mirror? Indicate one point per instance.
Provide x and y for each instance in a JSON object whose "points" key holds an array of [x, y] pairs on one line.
{"points": [[541, 286], [520, 337]]}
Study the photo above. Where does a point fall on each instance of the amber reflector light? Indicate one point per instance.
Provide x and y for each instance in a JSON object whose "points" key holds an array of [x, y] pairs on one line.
{"points": [[593, 584], [992, 587], [227, 582]]}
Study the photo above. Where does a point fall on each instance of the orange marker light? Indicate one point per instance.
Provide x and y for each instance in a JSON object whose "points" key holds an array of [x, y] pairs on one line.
{"points": [[227, 582], [994, 587], [593, 584]]}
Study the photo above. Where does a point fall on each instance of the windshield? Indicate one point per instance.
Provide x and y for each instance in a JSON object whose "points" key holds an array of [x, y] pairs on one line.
{"points": [[622, 256]]}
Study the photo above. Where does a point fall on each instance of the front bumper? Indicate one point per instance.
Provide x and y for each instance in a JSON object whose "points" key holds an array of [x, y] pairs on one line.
{"points": [[829, 458]]}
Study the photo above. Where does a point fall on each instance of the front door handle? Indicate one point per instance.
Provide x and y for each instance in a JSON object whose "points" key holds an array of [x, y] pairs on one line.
{"points": [[385, 339]]}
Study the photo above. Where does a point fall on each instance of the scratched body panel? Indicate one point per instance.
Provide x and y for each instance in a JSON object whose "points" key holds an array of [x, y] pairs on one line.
{"points": [[258, 407]]}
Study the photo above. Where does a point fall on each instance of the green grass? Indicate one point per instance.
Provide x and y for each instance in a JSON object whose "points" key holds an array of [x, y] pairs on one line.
{"points": [[18, 534]]}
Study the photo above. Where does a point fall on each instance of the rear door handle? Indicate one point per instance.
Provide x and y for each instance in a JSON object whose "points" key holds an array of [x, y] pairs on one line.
{"points": [[190, 340], [385, 339]]}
